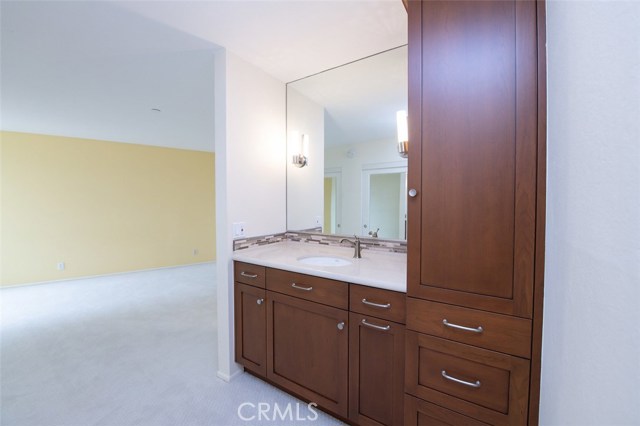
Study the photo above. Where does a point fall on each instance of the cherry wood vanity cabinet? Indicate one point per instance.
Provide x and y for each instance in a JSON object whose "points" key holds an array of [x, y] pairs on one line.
{"points": [[337, 344], [250, 317], [476, 210], [376, 356], [308, 337], [424, 413]]}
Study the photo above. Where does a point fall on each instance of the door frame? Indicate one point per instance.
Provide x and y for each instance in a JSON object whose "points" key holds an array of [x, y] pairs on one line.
{"points": [[367, 171], [335, 172]]}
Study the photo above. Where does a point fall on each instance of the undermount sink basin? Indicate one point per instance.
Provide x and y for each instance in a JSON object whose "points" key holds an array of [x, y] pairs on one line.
{"points": [[324, 261]]}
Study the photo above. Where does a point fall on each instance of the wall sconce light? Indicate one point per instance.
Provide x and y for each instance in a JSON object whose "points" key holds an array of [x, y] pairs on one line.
{"points": [[301, 159], [403, 134]]}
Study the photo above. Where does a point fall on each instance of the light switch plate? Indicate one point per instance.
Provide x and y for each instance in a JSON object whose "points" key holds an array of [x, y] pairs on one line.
{"points": [[239, 229]]}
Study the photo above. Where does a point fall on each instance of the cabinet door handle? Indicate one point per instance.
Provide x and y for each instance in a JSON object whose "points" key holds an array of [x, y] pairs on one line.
{"points": [[260, 301], [244, 274], [341, 325], [377, 327], [377, 305], [461, 327], [294, 285], [476, 385]]}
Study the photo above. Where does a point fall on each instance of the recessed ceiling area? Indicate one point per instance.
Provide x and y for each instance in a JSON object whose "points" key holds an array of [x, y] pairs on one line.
{"points": [[94, 70], [98, 69]]}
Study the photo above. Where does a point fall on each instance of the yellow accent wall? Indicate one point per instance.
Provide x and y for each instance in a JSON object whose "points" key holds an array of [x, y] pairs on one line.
{"points": [[328, 195], [100, 207]]}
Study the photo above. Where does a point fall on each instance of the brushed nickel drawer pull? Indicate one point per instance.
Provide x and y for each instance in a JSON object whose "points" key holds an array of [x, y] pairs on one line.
{"points": [[461, 327], [260, 301], [377, 327], [376, 305], [244, 274], [476, 385], [294, 285], [341, 325]]}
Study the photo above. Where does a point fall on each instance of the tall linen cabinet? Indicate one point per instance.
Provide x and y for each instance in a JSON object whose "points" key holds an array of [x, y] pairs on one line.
{"points": [[477, 156]]}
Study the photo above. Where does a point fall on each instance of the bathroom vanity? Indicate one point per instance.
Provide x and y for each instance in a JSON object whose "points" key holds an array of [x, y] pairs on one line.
{"points": [[330, 335], [469, 200]]}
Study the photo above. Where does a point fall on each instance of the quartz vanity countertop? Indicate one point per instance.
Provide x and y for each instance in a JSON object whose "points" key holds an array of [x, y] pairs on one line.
{"points": [[375, 269]]}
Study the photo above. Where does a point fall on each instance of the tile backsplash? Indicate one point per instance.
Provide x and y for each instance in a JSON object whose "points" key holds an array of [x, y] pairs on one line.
{"points": [[263, 240], [376, 244]]}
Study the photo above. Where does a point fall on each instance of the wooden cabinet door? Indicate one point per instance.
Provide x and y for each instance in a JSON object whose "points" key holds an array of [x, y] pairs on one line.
{"points": [[376, 371], [472, 160], [307, 350], [251, 328]]}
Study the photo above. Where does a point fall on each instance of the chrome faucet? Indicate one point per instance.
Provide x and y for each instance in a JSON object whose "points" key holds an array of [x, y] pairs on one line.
{"points": [[356, 246]]}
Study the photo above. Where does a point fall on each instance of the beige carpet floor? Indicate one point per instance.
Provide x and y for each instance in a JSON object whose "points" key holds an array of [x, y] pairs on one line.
{"points": [[130, 349]]}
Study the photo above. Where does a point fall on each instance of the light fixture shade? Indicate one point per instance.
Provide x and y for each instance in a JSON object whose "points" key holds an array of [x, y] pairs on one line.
{"points": [[403, 133], [305, 145], [301, 159]]}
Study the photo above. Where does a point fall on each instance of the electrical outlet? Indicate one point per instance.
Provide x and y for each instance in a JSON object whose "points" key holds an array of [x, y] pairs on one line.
{"points": [[239, 229], [196, 252], [318, 219], [60, 266]]}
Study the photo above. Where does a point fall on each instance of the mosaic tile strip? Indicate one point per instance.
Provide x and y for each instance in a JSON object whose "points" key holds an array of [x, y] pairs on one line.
{"points": [[375, 244], [263, 240], [313, 237]]}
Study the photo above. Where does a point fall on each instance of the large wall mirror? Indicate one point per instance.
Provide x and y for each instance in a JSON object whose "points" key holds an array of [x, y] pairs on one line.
{"points": [[344, 173]]}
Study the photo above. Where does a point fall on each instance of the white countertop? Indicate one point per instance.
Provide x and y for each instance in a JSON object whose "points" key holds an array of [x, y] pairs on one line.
{"points": [[375, 269]]}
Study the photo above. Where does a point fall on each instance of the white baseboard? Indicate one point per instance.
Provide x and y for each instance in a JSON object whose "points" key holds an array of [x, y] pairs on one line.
{"points": [[226, 377], [84, 277]]}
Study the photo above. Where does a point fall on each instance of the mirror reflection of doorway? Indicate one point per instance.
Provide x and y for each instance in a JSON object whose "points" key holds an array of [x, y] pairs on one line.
{"points": [[332, 190], [384, 204]]}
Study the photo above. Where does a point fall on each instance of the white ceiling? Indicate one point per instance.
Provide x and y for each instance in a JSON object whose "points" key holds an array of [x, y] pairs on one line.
{"points": [[288, 39], [96, 69]]}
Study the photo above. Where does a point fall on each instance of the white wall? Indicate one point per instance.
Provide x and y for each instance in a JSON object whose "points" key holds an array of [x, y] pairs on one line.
{"points": [[305, 185], [365, 153], [250, 173], [591, 342]]}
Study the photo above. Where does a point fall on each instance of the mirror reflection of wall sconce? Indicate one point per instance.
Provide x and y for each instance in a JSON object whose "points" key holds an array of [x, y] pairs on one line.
{"points": [[301, 159], [403, 134]]}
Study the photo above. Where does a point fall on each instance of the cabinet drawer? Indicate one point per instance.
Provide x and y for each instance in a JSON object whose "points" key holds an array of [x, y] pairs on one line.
{"points": [[486, 385], [386, 304], [488, 330], [421, 413], [315, 289], [249, 274]]}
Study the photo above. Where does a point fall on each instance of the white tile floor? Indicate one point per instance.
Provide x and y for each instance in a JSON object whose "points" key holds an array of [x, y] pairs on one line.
{"points": [[131, 349]]}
